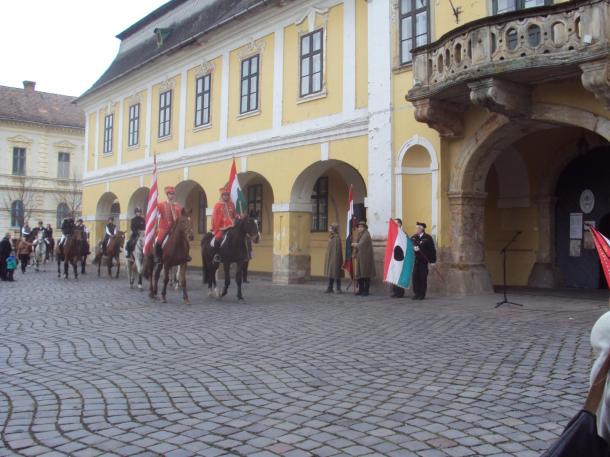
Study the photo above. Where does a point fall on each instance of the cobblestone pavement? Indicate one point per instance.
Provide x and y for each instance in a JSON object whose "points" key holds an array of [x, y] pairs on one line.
{"points": [[92, 368]]}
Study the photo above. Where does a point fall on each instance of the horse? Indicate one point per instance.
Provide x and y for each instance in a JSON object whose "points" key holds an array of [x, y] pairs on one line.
{"points": [[40, 250], [113, 250], [175, 253], [232, 250], [84, 253], [72, 248], [135, 262]]}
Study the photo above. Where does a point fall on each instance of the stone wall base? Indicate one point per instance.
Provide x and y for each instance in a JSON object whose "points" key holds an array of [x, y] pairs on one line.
{"points": [[448, 279], [291, 269], [545, 275]]}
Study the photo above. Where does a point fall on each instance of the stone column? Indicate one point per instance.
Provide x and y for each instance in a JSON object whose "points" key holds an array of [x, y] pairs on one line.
{"points": [[464, 273], [291, 240], [545, 273]]}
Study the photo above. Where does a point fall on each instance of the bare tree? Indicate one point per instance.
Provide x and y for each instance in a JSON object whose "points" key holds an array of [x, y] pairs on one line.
{"points": [[71, 195], [20, 190]]}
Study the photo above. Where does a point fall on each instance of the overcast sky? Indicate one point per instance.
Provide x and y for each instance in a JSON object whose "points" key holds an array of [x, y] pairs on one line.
{"points": [[63, 45]]}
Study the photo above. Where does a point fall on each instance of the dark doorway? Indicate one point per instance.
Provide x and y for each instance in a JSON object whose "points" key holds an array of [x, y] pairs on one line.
{"points": [[604, 228]]}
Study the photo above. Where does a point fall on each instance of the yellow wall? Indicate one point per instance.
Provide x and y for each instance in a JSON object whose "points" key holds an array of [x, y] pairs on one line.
{"points": [[262, 118], [170, 143], [203, 134], [330, 101], [134, 152], [362, 50]]}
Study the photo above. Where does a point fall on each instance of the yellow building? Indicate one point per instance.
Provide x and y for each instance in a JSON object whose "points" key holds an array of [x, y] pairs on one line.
{"points": [[465, 114]]}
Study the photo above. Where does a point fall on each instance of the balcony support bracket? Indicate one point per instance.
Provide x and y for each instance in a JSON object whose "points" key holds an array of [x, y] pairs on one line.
{"points": [[596, 78], [500, 96], [444, 117]]}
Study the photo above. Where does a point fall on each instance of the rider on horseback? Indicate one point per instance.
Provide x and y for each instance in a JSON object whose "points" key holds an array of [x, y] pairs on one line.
{"points": [[137, 224], [26, 231], [223, 219], [67, 228], [169, 211], [109, 233]]}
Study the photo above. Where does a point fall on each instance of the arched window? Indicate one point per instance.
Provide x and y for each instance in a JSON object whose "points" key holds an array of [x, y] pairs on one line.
{"points": [[115, 211], [17, 213], [63, 211]]}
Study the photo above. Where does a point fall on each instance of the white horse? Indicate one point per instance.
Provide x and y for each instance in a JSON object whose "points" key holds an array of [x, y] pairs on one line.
{"points": [[40, 250], [135, 262]]}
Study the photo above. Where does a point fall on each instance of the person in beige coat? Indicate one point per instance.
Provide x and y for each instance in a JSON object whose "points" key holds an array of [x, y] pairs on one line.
{"points": [[365, 261], [333, 260]]}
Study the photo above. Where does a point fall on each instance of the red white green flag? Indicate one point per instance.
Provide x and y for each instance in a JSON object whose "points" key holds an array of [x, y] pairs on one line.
{"points": [[602, 244], [237, 196]]}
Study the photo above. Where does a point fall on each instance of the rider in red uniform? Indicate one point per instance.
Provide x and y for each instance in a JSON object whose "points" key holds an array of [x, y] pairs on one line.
{"points": [[169, 211], [223, 218]]}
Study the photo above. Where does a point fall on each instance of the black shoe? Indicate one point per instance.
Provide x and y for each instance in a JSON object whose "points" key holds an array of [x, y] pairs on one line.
{"points": [[328, 291], [364, 294]]}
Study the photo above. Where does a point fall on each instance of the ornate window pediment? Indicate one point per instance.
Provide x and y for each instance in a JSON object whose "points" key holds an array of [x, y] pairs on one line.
{"points": [[20, 141], [307, 23], [204, 68], [64, 145]]}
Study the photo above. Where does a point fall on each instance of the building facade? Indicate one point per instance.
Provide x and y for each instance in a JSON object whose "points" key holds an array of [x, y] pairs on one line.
{"points": [[463, 114], [42, 145]]}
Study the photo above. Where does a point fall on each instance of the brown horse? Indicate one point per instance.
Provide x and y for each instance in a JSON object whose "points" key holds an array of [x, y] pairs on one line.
{"points": [[113, 251], [175, 253], [70, 253]]}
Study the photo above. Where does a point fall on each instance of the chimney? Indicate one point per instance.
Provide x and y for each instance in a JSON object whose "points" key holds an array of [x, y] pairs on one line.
{"points": [[29, 86]]}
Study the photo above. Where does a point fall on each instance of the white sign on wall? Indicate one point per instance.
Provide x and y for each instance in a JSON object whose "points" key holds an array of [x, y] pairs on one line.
{"points": [[576, 226]]}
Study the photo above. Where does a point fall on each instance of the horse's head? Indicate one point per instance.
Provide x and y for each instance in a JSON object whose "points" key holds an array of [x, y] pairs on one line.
{"points": [[121, 235], [184, 224], [250, 226]]}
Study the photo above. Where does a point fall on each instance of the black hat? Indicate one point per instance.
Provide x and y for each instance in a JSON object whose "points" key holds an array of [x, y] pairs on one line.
{"points": [[422, 224], [80, 219], [137, 210], [399, 220], [363, 224]]}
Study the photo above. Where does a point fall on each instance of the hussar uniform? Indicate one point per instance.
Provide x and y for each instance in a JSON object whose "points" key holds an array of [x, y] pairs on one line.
{"points": [[168, 214]]}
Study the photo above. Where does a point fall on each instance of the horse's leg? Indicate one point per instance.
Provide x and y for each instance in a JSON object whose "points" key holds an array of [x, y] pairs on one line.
{"points": [[118, 266], [110, 259], [75, 267], [99, 264], [58, 267], [227, 269], [238, 279], [66, 267], [166, 273], [185, 295], [156, 283]]}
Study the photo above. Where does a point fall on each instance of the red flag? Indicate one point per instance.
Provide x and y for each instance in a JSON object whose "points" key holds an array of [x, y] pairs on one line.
{"points": [[348, 264], [602, 244], [152, 211]]}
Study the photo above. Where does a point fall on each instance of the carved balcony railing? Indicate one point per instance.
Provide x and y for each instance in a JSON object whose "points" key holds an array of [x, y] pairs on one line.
{"points": [[511, 52]]}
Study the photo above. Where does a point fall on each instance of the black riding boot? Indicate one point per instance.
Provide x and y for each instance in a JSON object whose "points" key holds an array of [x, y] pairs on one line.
{"points": [[339, 291], [216, 258], [329, 289]]}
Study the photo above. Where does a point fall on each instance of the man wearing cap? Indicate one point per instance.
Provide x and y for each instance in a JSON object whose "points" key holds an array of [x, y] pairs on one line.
{"points": [[223, 218], [109, 232], [137, 224], [425, 253], [169, 211], [365, 262]]}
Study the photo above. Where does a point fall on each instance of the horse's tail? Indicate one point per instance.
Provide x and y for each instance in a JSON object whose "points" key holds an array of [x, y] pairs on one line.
{"points": [[204, 269]]}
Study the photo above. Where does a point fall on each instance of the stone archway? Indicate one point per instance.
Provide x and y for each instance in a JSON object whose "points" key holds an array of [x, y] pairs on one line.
{"points": [[139, 199], [107, 205], [466, 271], [191, 196]]}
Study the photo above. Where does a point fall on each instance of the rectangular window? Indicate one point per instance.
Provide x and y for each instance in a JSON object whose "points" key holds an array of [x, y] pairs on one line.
{"points": [[133, 131], [19, 161], [165, 113], [203, 88], [255, 202], [414, 26], [108, 124], [249, 84], [63, 165], [319, 206], [505, 6], [311, 62]]}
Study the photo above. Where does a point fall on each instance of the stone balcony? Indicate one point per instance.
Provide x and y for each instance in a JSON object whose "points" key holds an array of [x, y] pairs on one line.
{"points": [[496, 60]]}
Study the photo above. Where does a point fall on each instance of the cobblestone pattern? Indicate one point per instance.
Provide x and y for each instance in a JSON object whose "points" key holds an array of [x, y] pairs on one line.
{"points": [[92, 368]]}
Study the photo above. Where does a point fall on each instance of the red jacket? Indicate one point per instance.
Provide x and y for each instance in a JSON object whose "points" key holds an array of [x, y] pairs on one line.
{"points": [[168, 213], [223, 217]]}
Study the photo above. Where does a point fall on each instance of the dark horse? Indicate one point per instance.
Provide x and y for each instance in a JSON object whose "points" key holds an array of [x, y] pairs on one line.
{"points": [[175, 254], [113, 251], [70, 253], [233, 250]]}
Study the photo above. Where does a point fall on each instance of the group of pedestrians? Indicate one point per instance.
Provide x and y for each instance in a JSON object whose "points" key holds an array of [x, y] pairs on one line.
{"points": [[361, 265]]}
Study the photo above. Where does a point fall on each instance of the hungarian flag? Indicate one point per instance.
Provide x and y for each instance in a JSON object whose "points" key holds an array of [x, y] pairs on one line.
{"points": [[237, 196], [152, 211], [602, 244], [399, 257], [349, 227]]}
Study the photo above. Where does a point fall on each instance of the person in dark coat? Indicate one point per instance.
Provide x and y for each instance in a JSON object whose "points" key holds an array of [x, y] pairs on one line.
{"points": [[24, 249], [109, 232], [137, 224], [365, 261], [6, 247], [397, 291], [425, 253], [333, 259]]}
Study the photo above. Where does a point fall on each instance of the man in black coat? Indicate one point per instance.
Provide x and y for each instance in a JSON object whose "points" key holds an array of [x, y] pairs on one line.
{"points": [[137, 224], [6, 248], [425, 253]]}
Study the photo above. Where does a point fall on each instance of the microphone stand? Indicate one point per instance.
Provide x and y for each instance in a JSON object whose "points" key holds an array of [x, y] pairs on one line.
{"points": [[503, 252]]}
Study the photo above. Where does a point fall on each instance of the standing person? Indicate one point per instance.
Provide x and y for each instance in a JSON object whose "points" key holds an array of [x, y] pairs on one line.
{"points": [[109, 232], [137, 224], [11, 265], [169, 211], [365, 261], [24, 249], [333, 259], [398, 292], [425, 253], [6, 247], [223, 218]]}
